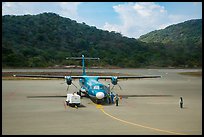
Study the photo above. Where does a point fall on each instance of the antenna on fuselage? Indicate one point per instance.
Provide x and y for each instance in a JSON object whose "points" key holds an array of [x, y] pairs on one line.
{"points": [[83, 62]]}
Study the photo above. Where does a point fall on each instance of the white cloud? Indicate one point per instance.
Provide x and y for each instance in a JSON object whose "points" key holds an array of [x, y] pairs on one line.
{"points": [[17, 8], [65, 9], [69, 9], [140, 18]]}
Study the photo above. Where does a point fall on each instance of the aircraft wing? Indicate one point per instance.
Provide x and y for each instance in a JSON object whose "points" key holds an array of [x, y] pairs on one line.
{"points": [[129, 77], [78, 77], [45, 76]]}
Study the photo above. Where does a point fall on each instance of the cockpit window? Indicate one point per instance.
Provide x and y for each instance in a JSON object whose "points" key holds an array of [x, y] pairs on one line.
{"points": [[97, 87]]}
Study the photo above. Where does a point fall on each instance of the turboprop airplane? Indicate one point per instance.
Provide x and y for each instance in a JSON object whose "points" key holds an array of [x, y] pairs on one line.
{"points": [[90, 85]]}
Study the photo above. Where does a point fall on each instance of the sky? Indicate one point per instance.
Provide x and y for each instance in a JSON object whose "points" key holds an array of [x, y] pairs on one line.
{"points": [[131, 19]]}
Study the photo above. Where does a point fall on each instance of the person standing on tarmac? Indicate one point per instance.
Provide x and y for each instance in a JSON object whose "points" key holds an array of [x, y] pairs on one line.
{"points": [[181, 102], [108, 95], [108, 87], [112, 97], [108, 98], [116, 98]]}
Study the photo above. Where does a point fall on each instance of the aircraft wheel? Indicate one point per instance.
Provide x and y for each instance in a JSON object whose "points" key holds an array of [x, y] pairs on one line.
{"points": [[98, 101], [67, 103], [79, 93]]}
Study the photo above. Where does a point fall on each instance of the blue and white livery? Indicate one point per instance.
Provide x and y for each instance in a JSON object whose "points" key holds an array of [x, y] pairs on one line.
{"points": [[90, 85]]}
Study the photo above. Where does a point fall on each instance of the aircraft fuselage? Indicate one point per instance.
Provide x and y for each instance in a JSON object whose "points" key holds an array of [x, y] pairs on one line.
{"points": [[91, 86]]}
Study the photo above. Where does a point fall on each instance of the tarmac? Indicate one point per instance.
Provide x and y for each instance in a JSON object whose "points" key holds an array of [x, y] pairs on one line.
{"points": [[154, 111]]}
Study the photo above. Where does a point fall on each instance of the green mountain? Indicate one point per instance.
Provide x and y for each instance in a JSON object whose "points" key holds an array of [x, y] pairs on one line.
{"points": [[183, 33], [46, 39]]}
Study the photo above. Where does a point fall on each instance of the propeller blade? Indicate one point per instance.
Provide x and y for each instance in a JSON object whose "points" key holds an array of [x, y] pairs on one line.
{"points": [[120, 87], [75, 86], [112, 87], [67, 88]]}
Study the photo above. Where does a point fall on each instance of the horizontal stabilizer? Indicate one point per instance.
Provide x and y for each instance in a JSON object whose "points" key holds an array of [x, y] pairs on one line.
{"points": [[79, 58]]}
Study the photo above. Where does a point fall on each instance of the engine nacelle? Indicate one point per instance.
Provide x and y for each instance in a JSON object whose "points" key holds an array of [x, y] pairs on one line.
{"points": [[114, 80], [68, 80]]}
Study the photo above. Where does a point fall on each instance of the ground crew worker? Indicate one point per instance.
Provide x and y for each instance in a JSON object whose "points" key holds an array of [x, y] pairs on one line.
{"points": [[109, 95], [116, 98], [108, 98], [108, 87], [181, 102], [112, 97]]}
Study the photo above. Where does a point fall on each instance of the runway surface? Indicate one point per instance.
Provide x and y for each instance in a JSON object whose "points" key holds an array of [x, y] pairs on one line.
{"points": [[141, 115]]}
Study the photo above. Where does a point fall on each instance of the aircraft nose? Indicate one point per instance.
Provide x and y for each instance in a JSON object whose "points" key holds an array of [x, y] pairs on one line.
{"points": [[100, 95]]}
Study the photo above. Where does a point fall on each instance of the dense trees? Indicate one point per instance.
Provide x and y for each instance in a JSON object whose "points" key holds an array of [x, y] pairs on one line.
{"points": [[47, 39], [188, 32]]}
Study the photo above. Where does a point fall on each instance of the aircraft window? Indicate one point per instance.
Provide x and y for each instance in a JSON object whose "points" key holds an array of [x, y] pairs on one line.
{"points": [[98, 87], [101, 87], [95, 87]]}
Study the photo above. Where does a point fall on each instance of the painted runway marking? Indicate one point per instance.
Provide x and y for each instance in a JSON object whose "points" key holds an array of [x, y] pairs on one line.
{"points": [[139, 125]]}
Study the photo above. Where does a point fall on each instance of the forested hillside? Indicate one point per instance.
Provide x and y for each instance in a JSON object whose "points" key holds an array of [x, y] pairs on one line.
{"points": [[46, 39], [185, 33]]}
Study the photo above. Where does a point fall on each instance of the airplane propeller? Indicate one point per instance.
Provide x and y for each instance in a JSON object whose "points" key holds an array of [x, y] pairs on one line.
{"points": [[75, 85], [118, 86], [69, 85], [67, 88]]}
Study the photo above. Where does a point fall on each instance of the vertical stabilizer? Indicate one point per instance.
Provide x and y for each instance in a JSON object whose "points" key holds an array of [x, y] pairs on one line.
{"points": [[83, 62], [83, 66]]}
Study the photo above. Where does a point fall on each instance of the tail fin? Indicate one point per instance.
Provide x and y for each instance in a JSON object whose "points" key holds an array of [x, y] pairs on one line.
{"points": [[83, 66], [83, 62]]}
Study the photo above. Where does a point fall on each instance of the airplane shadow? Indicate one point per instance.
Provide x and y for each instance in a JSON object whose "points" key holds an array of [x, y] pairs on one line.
{"points": [[46, 96], [127, 96], [102, 102], [57, 96], [80, 106]]}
